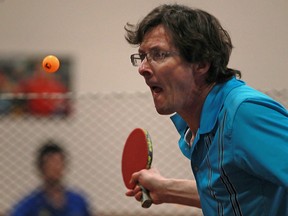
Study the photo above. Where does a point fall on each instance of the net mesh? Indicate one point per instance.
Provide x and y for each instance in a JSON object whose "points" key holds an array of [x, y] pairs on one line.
{"points": [[93, 134]]}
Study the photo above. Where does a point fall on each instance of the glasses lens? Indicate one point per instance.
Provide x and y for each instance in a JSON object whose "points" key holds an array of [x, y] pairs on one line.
{"points": [[136, 60]]}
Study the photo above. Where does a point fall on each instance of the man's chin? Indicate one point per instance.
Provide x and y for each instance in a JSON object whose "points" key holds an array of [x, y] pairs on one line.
{"points": [[162, 111]]}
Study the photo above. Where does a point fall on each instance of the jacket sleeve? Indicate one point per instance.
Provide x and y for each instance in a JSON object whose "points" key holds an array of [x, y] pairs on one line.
{"points": [[259, 135]]}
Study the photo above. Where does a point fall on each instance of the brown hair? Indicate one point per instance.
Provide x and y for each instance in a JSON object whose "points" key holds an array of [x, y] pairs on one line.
{"points": [[197, 35]]}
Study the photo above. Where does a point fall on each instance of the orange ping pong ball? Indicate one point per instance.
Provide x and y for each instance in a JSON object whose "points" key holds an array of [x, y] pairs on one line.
{"points": [[51, 64]]}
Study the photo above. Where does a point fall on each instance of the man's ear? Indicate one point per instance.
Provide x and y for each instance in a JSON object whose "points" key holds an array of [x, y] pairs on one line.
{"points": [[203, 67]]}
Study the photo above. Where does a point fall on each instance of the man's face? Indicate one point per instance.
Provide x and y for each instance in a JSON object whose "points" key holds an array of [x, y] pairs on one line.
{"points": [[53, 168], [172, 80]]}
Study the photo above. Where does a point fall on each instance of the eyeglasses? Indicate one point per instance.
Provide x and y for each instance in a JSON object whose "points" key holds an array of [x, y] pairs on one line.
{"points": [[154, 55]]}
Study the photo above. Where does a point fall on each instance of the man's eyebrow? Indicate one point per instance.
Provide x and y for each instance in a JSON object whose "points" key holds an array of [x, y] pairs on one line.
{"points": [[152, 49]]}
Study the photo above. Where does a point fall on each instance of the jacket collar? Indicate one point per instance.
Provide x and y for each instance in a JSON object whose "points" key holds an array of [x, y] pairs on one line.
{"points": [[211, 108]]}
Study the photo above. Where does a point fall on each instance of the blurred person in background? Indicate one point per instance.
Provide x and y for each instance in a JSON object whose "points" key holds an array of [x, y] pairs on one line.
{"points": [[52, 198], [48, 88]]}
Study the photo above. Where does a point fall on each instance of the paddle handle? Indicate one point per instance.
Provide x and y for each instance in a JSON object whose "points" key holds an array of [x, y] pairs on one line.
{"points": [[146, 200]]}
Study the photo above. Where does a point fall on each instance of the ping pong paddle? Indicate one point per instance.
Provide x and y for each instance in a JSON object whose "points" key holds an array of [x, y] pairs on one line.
{"points": [[137, 155]]}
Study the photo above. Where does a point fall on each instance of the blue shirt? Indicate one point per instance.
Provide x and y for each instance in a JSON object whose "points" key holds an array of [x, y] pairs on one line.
{"points": [[239, 156], [37, 204]]}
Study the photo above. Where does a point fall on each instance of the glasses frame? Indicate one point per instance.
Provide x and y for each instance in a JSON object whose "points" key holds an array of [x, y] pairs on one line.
{"points": [[154, 55]]}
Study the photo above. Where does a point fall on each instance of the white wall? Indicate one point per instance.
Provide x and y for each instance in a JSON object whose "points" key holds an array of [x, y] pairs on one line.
{"points": [[92, 32]]}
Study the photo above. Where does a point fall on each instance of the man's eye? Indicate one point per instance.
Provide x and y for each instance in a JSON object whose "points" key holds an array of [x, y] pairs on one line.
{"points": [[158, 55]]}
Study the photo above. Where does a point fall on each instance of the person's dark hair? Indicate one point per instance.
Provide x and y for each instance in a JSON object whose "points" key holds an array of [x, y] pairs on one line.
{"points": [[197, 35], [49, 147]]}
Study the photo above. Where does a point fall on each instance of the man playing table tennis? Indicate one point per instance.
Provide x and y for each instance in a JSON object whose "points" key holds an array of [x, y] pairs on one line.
{"points": [[236, 137]]}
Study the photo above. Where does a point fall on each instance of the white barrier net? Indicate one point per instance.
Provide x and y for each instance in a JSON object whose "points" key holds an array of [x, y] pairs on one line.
{"points": [[93, 134]]}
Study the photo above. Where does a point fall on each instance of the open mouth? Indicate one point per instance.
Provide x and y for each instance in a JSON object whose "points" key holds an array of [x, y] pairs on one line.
{"points": [[156, 89]]}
